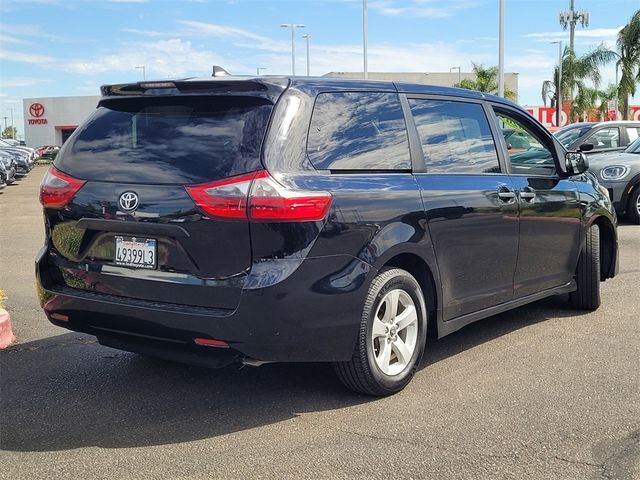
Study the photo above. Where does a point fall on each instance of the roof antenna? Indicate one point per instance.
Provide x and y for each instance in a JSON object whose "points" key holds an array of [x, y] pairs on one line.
{"points": [[218, 71]]}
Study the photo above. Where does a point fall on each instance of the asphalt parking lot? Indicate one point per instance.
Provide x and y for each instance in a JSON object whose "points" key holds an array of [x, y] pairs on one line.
{"points": [[538, 392]]}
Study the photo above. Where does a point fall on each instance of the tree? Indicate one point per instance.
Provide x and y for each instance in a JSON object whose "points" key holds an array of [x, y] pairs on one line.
{"points": [[608, 94], [577, 72], [628, 46], [10, 132], [486, 81]]}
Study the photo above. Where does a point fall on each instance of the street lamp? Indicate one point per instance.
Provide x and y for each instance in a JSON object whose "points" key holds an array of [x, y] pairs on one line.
{"points": [[144, 71], [559, 85], [307, 36], [293, 27], [501, 49], [365, 68], [258, 70], [459, 73]]}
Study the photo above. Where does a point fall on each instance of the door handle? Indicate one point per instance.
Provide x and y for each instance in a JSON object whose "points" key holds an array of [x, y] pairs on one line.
{"points": [[506, 194], [528, 194]]}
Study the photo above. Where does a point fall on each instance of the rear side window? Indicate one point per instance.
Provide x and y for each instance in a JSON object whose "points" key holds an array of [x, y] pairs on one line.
{"points": [[358, 131], [605, 138], [168, 140], [455, 137]]}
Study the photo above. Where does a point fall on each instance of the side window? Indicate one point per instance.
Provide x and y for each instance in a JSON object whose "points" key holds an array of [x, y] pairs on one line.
{"points": [[605, 138], [455, 136], [358, 131], [526, 149], [633, 133]]}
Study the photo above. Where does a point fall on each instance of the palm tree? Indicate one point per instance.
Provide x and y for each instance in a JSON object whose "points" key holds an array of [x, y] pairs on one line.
{"points": [[608, 94], [628, 45], [486, 81], [576, 72]]}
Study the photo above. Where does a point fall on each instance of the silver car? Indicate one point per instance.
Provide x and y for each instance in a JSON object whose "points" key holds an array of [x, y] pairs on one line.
{"points": [[619, 172]]}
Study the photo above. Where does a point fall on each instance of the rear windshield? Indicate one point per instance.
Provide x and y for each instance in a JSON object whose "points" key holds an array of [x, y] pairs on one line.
{"points": [[567, 136], [168, 140]]}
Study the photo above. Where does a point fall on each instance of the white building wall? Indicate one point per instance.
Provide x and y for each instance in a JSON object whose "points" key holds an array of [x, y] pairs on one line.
{"points": [[58, 112]]}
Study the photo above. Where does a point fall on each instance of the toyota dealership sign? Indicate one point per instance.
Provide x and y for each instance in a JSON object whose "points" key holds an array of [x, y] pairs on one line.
{"points": [[36, 111]]}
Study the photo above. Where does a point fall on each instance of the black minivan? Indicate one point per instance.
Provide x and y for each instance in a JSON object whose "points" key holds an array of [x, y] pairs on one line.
{"points": [[277, 219]]}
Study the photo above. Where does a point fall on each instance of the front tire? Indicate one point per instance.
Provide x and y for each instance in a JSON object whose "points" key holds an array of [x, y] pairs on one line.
{"points": [[587, 295], [392, 336], [633, 208]]}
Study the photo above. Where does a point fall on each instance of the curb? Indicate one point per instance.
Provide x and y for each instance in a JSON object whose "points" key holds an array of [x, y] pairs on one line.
{"points": [[6, 335]]}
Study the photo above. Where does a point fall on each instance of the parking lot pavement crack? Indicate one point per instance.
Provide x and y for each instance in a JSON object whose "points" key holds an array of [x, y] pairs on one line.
{"points": [[18, 349], [599, 466], [434, 447]]}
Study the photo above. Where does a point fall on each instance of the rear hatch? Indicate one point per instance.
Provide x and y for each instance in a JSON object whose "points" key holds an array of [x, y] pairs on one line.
{"points": [[130, 227]]}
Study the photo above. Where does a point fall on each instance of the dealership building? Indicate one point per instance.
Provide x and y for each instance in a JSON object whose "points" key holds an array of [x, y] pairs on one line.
{"points": [[50, 121]]}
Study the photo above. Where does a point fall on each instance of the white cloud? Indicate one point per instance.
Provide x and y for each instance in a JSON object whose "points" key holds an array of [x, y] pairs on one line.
{"points": [[9, 39], [173, 57], [420, 8], [603, 34], [16, 82], [14, 56]]}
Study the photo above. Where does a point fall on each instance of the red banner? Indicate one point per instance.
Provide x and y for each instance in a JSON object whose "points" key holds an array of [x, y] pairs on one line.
{"points": [[547, 116]]}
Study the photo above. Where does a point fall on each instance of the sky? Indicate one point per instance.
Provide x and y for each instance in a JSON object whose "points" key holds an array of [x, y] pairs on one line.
{"points": [[67, 47]]}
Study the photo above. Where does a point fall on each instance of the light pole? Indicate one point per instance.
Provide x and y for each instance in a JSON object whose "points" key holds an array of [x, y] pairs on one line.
{"points": [[144, 71], [559, 86], [13, 128], [307, 36], [616, 99], [459, 73], [501, 51], [570, 17], [365, 68], [293, 27], [5, 122], [258, 70]]}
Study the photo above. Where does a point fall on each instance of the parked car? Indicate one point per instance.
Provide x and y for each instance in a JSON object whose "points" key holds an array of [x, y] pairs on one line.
{"points": [[3, 176], [9, 167], [47, 152], [5, 143], [604, 136], [21, 154], [620, 173], [22, 161], [311, 219]]}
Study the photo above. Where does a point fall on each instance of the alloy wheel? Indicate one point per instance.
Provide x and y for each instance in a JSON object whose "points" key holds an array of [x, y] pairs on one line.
{"points": [[395, 332]]}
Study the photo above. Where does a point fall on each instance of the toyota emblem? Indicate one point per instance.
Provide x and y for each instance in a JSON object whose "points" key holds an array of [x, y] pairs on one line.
{"points": [[128, 201], [36, 110]]}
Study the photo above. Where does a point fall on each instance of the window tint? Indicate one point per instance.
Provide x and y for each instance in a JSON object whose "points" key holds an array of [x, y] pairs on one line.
{"points": [[570, 134], [358, 131], [605, 138], [455, 137], [526, 150], [168, 140], [633, 133]]}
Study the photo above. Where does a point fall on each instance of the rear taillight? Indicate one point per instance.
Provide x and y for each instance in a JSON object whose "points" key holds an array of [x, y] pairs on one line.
{"points": [[258, 197], [57, 188]]}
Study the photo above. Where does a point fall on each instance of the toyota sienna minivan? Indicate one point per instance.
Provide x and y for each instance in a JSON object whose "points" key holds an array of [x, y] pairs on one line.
{"points": [[277, 219]]}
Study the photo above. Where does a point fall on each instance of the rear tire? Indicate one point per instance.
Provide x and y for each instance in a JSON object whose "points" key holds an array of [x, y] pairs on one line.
{"points": [[587, 295], [633, 208], [392, 336]]}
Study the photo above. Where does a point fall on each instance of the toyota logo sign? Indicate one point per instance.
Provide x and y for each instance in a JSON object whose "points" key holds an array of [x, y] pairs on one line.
{"points": [[128, 201], [36, 110]]}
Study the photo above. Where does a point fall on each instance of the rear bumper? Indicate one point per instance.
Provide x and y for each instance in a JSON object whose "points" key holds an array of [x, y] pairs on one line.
{"points": [[312, 315]]}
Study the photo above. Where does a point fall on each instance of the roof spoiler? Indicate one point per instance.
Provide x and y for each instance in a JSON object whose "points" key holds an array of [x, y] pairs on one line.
{"points": [[218, 71]]}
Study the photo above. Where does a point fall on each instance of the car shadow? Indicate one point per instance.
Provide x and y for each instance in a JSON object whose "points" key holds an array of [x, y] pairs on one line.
{"points": [[68, 392]]}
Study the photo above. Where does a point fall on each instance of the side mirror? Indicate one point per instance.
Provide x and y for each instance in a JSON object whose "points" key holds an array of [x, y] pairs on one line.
{"points": [[585, 147], [576, 163], [509, 146]]}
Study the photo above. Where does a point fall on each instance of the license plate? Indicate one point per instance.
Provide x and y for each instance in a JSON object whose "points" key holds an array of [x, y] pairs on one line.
{"points": [[136, 252]]}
